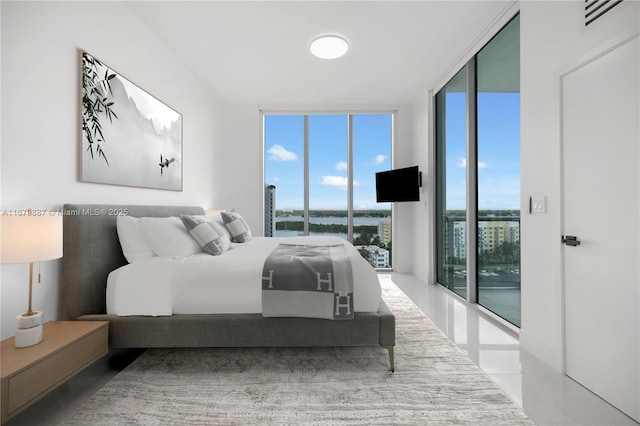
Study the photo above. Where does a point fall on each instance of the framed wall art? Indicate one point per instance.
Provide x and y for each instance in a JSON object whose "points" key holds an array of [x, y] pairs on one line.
{"points": [[128, 136]]}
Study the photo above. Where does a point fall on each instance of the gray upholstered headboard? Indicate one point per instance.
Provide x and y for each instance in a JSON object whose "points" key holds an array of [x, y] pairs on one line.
{"points": [[91, 250]]}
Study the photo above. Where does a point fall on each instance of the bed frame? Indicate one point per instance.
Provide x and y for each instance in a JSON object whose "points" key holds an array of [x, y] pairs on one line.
{"points": [[92, 250]]}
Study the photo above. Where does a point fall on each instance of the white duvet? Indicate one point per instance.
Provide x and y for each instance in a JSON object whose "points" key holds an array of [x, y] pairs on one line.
{"points": [[229, 283]]}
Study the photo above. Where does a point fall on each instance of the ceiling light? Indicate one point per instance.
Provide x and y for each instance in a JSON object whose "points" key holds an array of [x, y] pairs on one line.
{"points": [[329, 46]]}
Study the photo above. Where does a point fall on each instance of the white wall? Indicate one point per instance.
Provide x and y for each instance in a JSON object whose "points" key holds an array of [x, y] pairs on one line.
{"points": [[422, 245], [238, 164], [404, 230], [553, 40], [40, 120]]}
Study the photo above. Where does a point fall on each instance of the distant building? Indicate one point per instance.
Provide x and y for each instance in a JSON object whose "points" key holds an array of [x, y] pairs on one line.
{"points": [[490, 235], [495, 233], [460, 239], [378, 257], [269, 210], [384, 231]]}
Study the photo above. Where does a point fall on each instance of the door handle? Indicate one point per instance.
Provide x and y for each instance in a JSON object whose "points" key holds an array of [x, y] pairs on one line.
{"points": [[570, 240]]}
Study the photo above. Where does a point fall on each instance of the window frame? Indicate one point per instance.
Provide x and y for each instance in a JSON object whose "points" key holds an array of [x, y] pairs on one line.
{"points": [[350, 170]]}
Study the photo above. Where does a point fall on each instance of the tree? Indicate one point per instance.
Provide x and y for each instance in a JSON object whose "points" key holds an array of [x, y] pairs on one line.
{"points": [[362, 240], [95, 102], [365, 253], [507, 253]]}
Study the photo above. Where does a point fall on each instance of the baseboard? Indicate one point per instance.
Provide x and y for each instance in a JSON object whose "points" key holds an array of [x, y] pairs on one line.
{"points": [[541, 350]]}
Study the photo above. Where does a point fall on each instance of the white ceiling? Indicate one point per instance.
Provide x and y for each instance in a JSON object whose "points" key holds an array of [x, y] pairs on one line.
{"points": [[257, 52]]}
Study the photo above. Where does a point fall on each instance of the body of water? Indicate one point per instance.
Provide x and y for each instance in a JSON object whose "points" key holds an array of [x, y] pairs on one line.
{"points": [[331, 220], [328, 220]]}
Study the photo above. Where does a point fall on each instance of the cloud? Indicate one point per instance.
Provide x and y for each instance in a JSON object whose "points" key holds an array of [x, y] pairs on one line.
{"points": [[275, 180], [380, 159], [279, 153], [339, 182], [342, 165], [462, 162]]}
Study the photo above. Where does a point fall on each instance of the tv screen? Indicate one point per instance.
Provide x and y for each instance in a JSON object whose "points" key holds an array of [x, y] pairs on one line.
{"points": [[398, 185]]}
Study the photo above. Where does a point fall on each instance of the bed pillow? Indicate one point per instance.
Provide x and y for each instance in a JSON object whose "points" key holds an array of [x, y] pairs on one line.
{"points": [[133, 240], [168, 237], [218, 220], [237, 226], [212, 237]]}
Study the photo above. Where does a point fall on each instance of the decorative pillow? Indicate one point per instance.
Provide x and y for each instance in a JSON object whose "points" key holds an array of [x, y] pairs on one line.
{"points": [[218, 220], [168, 237], [212, 237], [237, 226], [133, 239]]}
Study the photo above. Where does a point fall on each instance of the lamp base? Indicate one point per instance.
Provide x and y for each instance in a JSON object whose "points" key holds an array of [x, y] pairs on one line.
{"points": [[29, 331], [28, 321]]}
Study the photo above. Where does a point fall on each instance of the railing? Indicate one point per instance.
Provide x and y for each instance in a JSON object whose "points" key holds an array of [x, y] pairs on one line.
{"points": [[498, 252]]}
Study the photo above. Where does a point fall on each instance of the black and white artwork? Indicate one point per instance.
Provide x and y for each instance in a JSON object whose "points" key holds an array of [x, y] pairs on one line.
{"points": [[128, 136]]}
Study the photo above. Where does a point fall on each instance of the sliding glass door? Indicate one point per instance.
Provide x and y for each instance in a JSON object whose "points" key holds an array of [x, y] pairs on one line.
{"points": [[451, 190], [498, 141], [477, 132]]}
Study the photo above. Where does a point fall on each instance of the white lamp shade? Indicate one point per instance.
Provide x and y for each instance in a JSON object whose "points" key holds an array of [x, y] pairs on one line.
{"points": [[31, 238]]}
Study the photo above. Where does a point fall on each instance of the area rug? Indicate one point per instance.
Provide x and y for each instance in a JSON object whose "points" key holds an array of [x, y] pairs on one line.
{"points": [[435, 383]]}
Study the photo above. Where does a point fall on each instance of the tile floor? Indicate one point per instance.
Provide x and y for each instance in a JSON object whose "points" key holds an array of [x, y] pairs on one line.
{"points": [[548, 397]]}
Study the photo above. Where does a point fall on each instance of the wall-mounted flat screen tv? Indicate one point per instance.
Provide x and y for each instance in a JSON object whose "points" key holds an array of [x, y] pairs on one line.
{"points": [[398, 185]]}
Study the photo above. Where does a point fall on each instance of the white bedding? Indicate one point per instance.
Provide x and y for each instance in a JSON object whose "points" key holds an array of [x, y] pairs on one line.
{"points": [[229, 283]]}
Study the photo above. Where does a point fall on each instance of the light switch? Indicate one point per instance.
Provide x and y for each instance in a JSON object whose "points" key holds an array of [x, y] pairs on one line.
{"points": [[538, 204]]}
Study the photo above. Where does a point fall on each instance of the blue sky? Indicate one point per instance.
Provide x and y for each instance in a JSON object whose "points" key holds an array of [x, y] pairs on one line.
{"points": [[498, 151], [328, 136], [498, 156]]}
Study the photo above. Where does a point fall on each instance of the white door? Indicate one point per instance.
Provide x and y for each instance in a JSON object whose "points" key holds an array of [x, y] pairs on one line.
{"points": [[601, 200]]}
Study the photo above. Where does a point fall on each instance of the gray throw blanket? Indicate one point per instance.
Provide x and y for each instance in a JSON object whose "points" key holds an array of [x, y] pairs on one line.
{"points": [[308, 281]]}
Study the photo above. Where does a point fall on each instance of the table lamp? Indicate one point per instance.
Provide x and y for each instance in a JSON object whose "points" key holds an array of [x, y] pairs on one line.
{"points": [[28, 238]]}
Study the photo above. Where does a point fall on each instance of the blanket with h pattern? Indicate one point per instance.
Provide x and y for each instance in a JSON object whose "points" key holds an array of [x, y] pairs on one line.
{"points": [[308, 281]]}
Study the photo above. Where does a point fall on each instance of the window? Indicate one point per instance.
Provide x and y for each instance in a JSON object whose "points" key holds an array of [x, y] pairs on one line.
{"points": [[478, 177], [320, 178]]}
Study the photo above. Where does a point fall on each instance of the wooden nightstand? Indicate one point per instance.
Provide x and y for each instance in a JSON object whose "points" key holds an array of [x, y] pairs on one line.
{"points": [[29, 373]]}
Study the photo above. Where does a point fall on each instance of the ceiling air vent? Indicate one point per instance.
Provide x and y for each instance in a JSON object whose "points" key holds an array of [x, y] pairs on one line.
{"points": [[594, 9]]}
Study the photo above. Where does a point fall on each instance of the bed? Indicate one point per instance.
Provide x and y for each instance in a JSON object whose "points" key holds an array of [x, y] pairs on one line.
{"points": [[92, 250]]}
